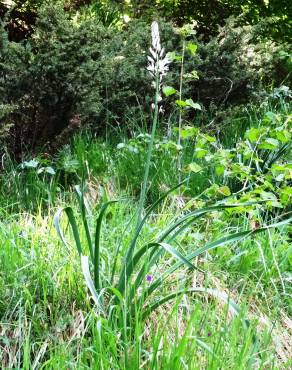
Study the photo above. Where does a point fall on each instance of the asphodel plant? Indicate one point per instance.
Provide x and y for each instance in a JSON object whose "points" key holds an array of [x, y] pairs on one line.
{"points": [[129, 271]]}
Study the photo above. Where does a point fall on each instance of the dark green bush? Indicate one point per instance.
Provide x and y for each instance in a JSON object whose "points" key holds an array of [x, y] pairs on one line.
{"points": [[75, 72], [234, 67], [53, 77], [239, 63]]}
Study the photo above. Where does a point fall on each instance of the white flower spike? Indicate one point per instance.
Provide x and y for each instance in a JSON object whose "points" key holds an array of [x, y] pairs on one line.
{"points": [[158, 65], [155, 37]]}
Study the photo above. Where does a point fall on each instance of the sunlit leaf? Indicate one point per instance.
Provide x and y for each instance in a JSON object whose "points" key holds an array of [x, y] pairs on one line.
{"points": [[200, 152], [224, 190], [181, 103], [168, 90], [192, 48], [194, 167], [253, 134], [269, 144], [219, 170], [191, 104]]}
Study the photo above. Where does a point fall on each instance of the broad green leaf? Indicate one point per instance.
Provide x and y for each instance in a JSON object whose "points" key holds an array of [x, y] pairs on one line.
{"points": [[200, 152], [194, 167], [181, 103], [284, 136], [191, 104], [269, 144], [224, 190], [275, 204], [73, 224], [168, 90], [265, 195], [86, 273], [173, 56], [253, 134], [84, 207], [287, 190], [219, 170], [188, 103], [269, 117], [96, 263], [188, 131], [192, 48], [210, 139]]}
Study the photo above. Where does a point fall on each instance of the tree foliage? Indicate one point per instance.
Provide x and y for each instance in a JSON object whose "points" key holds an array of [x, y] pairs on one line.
{"points": [[213, 13]]}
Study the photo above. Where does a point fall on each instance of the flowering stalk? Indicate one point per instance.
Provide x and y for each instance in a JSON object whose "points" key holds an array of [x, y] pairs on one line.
{"points": [[157, 67]]}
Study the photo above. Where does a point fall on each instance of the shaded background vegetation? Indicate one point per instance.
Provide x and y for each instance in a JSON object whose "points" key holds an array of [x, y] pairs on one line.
{"points": [[79, 63]]}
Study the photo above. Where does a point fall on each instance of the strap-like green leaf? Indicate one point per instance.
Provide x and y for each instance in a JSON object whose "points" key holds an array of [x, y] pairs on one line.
{"points": [[70, 214], [152, 259], [217, 243], [196, 214], [86, 272], [128, 258], [83, 208], [96, 263], [213, 292]]}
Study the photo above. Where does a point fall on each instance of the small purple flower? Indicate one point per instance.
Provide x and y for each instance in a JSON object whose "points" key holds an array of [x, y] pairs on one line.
{"points": [[149, 278], [209, 334]]}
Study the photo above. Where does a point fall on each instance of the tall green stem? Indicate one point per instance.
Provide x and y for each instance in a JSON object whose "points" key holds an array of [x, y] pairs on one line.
{"points": [[149, 154], [129, 254], [179, 164], [157, 67]]}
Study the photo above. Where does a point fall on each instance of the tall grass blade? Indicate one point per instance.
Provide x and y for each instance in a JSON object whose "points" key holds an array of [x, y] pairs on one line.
{"points": [[196, 214], [145, 268]]}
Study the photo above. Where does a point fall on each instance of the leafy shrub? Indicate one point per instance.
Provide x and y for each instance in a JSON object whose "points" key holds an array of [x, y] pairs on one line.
{"points": [[257, 167], [75, 72], [239, 63], [5, 126], [57, 77]]}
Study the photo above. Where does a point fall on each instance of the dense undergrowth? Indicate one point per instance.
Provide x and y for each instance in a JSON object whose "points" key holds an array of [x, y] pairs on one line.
{"points": [[47, 318]]}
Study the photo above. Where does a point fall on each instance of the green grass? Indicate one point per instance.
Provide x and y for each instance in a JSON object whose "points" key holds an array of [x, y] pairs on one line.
{"points": [[48, 319]]}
